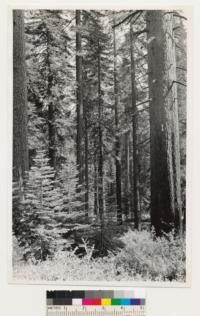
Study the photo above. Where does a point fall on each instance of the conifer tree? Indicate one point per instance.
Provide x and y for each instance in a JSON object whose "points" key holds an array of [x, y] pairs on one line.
{"points": [[40, 208], [117, 138], [165, 153]]}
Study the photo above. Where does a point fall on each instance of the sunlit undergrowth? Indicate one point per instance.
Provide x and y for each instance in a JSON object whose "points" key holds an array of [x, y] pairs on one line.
{"points": [[143, 258]]}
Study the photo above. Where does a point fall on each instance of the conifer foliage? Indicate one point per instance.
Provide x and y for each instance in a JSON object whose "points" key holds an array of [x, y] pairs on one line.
{"points": [[103, 96], [40, 207]]}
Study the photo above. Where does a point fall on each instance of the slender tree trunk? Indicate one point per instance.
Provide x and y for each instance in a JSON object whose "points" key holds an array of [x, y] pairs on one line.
{"points": [[127, 174], [164, 139], [139, 193], [131, 198], [20, 142], [51, 110], [175, 134], [96, 206], [100, 144], [134, 131], [117, 139], [86, 162], [79, 94]]}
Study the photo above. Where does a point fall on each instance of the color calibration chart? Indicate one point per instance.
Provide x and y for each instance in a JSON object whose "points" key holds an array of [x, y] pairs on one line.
{"points": [[96, 303]]}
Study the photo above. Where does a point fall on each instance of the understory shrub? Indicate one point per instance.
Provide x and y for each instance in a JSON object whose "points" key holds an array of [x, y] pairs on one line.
{"points": [[67, 266], [143, 258], [147, 257]]}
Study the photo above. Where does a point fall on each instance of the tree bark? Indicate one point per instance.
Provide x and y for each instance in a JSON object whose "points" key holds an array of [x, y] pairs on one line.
{"points": [[127, 174], [164, 130], [86, 161], [131, 199], [20, 141], [134, 133], [51, 108], [117, 139], [96, 205], [100, 143], [79, 94]]}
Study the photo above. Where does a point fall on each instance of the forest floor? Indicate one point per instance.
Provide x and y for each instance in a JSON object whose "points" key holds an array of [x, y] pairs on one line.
{"points": [[127, 255]]}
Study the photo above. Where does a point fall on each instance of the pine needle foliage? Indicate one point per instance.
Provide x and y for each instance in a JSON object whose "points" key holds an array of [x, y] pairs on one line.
{"points": [[40, 207]]}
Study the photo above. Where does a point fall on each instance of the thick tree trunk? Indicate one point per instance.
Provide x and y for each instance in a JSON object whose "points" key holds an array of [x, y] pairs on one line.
{"points": [[79, 94], [20, 142], [117, 139], [134, 133], [164, 140]]}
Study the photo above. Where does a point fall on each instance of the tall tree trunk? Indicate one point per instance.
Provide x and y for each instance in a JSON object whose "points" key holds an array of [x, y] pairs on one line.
{"points": [[96, 205], [175, 134], [127, 174], [131, 199], [164, 135], [79, 94], [117, 139], [51, 109], [100, 144], [86, 160], [134, 133], [20, 142]]}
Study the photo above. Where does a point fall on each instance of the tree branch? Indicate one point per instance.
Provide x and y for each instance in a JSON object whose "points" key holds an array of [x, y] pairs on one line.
{"points": [[130, 16], [140, 110], [181, 83], [182, 68], [144, 141], [176, 27], [175, 13], [174, 81], [137, 17], [180, 16], [140, 32], [146, 101]]}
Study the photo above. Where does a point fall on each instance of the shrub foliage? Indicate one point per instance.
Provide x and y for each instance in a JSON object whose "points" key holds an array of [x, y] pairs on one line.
{"points": [[143, 257]]}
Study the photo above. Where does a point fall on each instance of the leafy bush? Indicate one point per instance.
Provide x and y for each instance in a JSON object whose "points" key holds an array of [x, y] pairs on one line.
{"points": [[143, 258], [146, 257], [66, 266]]}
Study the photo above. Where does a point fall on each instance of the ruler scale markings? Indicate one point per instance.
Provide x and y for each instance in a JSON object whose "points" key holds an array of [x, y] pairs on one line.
{"points": [[96, 303], [97, 311]]}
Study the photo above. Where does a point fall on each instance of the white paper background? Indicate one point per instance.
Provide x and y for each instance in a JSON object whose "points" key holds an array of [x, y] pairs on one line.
{"points": [[21, 300]]}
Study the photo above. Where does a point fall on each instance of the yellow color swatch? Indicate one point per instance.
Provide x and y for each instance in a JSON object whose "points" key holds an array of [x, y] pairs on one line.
{"points": [[105, 301]]}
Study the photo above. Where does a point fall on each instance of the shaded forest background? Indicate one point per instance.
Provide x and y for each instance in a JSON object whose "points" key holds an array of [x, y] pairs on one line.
{"points": [[99, 143]]}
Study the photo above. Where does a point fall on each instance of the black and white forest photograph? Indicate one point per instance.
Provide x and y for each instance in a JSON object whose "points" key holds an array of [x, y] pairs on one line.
{"points": [[99, 145]]}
